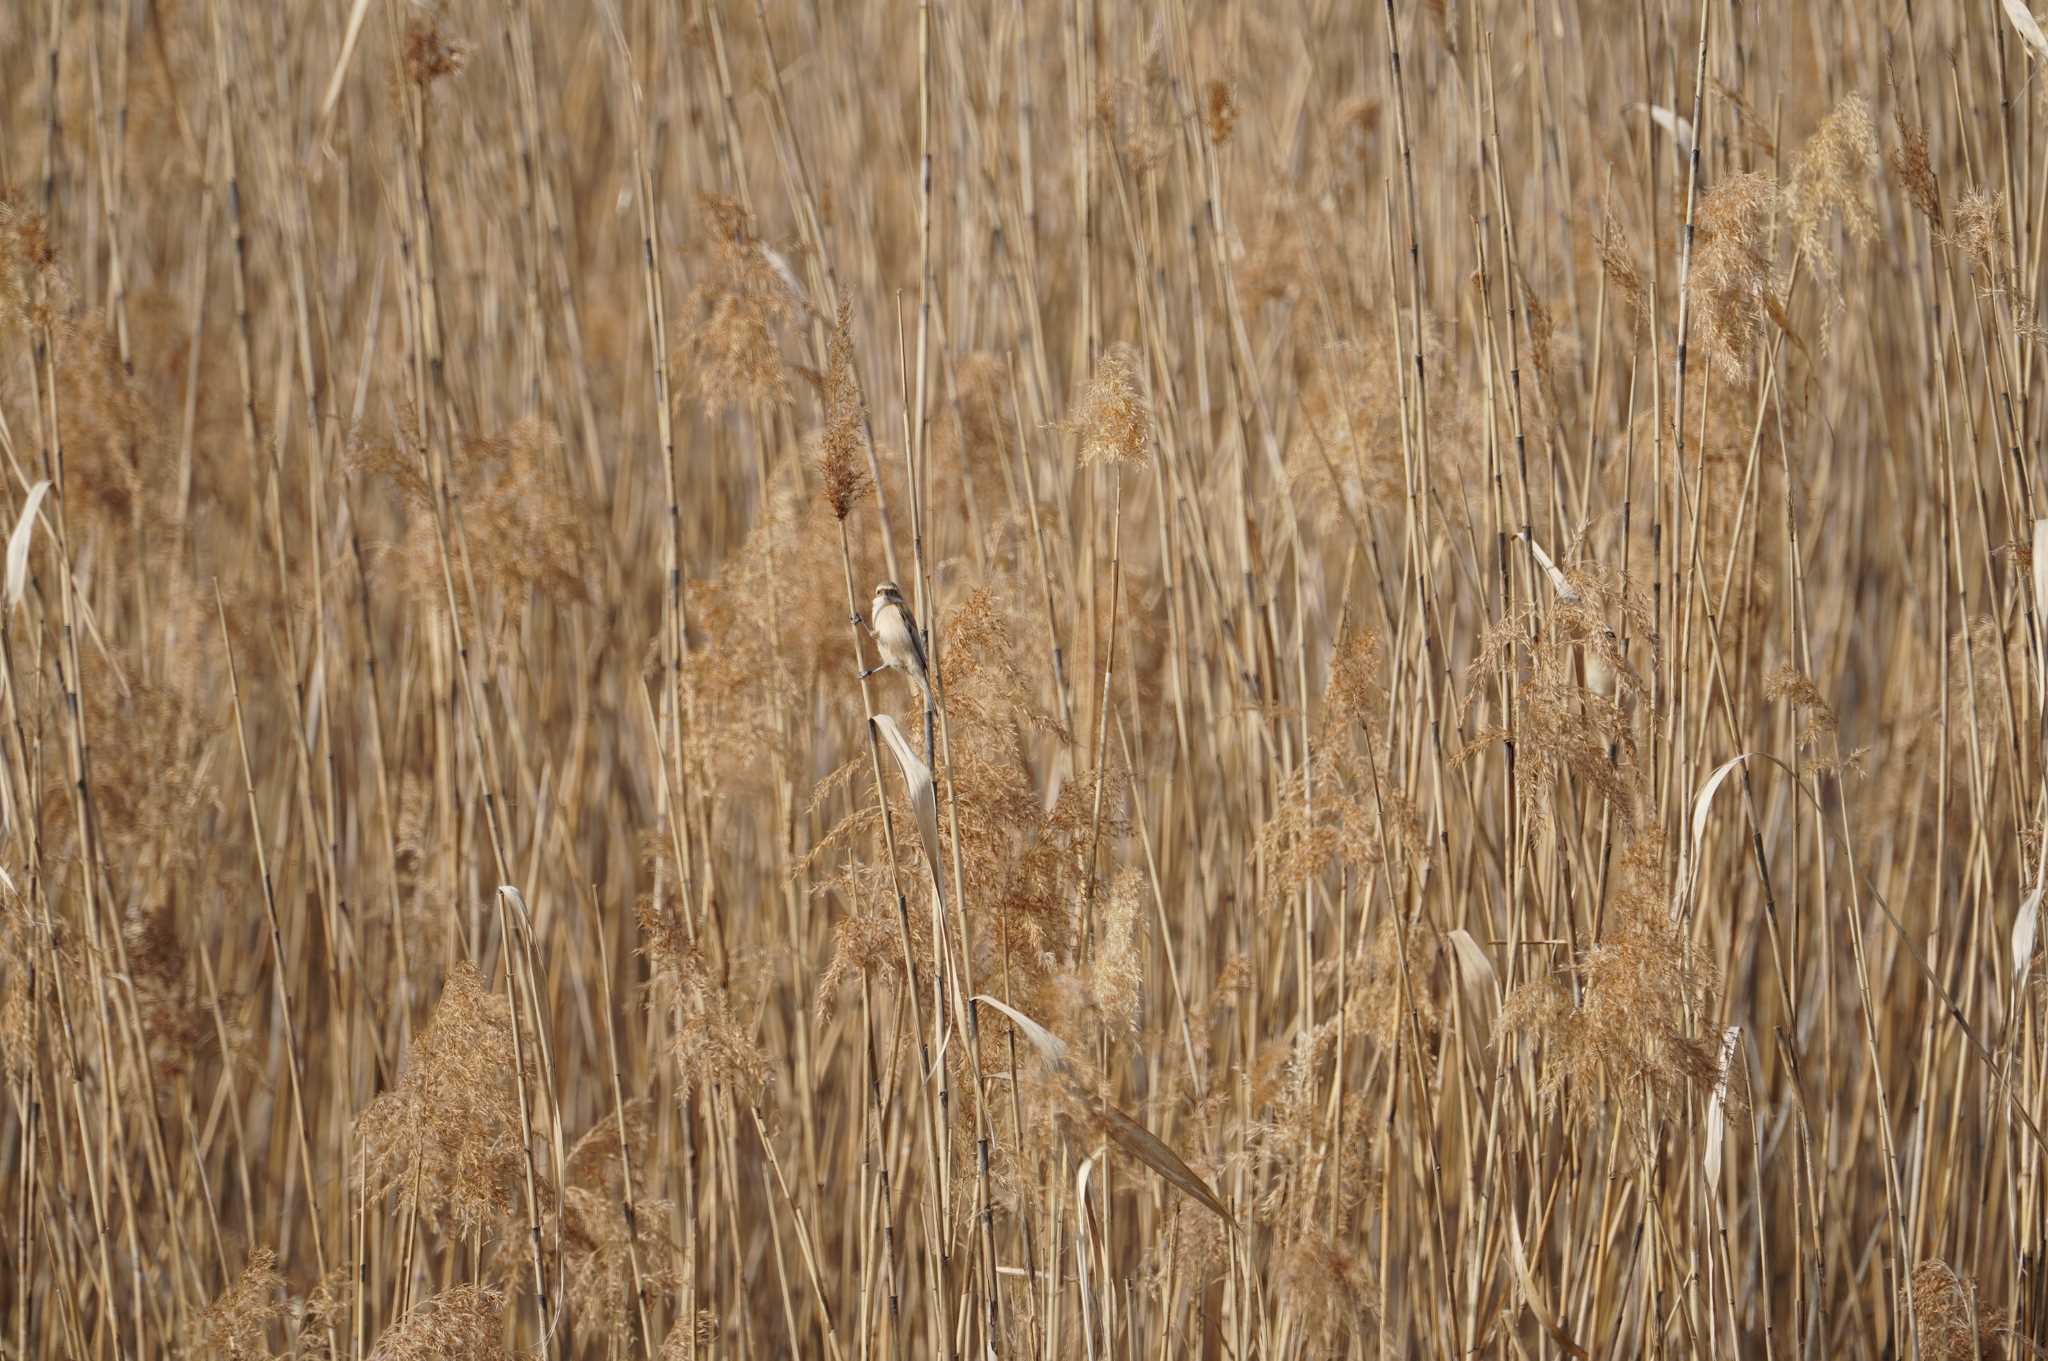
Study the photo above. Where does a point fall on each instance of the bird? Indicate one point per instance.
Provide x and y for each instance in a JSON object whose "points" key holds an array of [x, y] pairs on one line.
{"points": [[896, 637]]}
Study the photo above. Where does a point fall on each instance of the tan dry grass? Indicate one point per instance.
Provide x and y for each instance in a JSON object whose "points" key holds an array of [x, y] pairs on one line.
{"points": [[1343, 581]]}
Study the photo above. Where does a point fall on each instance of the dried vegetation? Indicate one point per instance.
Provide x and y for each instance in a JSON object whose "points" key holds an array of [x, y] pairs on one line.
{"points": [[460, 897]]}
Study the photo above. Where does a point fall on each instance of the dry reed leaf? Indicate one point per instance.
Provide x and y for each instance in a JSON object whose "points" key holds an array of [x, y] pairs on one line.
{"points": [[1477, 971], [2028, 923], [2041, 604], [1565, 590], [1534, 1300], [1702, 804], [1148, 1148], [1125, 1132], [946, 1040], [2027, 27], [1782, 319], [1717, 1110], [17, 543], [1680, 129], [917, 776], [518, 901], [357, 13], [1061, 769], [1050, 1047]]}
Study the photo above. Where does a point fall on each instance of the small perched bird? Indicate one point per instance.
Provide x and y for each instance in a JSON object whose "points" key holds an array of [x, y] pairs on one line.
{"points": [[896, 637]]}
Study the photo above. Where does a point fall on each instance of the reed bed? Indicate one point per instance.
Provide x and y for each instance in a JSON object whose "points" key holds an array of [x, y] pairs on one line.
{"points": [[1481, 791]]}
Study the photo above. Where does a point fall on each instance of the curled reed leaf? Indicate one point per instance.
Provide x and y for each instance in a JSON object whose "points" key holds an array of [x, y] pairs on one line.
{"points": [[1535, 1300], [2028, 27], [1565, 590], [518, 901], [17, 543], [917, 776], [2027, 924], [1050, 1047], [1702, 804], [1680, 129], [1476, 971], [1148, 1148], [354, 30], [1123, 1131], [1717, 1110], [2041, 604]]}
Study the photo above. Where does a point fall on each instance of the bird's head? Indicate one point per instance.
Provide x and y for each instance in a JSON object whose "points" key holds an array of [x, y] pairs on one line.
{"points": [[887, 592]]}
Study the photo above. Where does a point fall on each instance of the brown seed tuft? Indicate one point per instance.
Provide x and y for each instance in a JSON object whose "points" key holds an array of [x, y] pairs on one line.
{"points": [[1831, 175], [236, 1326], [430, 53], [839, 443], [1640, 1025], [1952, 1322], [462, 1323], [449, 1136], [1336, 1288], [34, 290], [1978, 228], [1731, 275], [527, 529], [600, 1242], [1117, 972], [1619, 263], [1915, 170], [709, 1044], [1816, 735], [1219, 110], [730, 318], [1114, 420]]}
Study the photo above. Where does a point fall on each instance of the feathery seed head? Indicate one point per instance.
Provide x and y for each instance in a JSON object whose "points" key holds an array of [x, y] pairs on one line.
{"points": [[1114, 420]]}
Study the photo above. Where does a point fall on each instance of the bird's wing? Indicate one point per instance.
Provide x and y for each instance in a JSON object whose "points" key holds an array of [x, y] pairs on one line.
{"points": [[916, 644], [901, 630]]}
